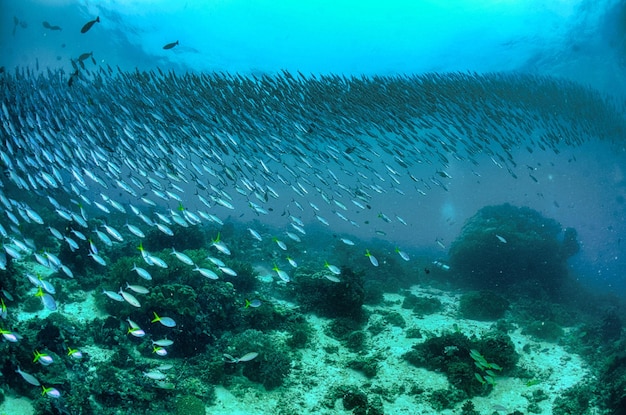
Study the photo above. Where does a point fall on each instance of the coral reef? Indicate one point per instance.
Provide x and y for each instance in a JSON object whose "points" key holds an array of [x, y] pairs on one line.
{"points": [[273, 363], [421, 305], [354, 399], [482, 305], [368, 365], [612, 381], [458, 357], [349, 333], [315, 293], [189, 405], [544, 330], [504, 246], [575, 400]]}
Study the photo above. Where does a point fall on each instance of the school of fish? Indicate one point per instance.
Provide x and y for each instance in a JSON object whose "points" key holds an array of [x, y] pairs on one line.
{"points": [[161, 150]]}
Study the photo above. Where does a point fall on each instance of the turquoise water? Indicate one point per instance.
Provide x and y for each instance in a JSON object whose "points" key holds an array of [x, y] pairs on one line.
{"points": [[323, 206]]}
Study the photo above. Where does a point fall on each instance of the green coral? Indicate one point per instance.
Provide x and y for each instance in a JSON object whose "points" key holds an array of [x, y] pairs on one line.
{"points": [[422, 305], [315, 293], [451, 354], [368, 365], [349, 333], [482, 305], [273, 363], [575, 400], [267, 317], [468, 409], [395, 319], [356, 341], [300, 335], [352, 399], [355, 400], [446, 398]]}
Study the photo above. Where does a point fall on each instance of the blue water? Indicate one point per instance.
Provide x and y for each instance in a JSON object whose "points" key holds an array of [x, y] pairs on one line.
{"points": [[580, 40], [582, 186]]}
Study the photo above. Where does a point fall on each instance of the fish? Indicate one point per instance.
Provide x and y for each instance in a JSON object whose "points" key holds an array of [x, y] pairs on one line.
{"points": [[165, 321], [155, 375], [183, 258], [134, 329], [332, 278], [371, 257], [135, 230], [207, 273], [155, 260], [113, 295], [10, 336], [228, 271], [129, 298], [281, 274], [220, 245], [17, 22], [255, 235], [43, 358], [89, 24], [165, 229], [47, 300], [137, 288], [332, 268], [50, 27], [85, 56], [51, 392], [216, 261], [403, 254], [253, 303], [245, 358], [170, 45], [159, 350], [98, 259], [280, 244], [28, 377], [75, 353], [163, 342]]}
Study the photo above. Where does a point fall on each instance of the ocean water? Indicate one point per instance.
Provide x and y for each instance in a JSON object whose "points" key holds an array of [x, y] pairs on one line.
{"points": [[313, 208]]}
